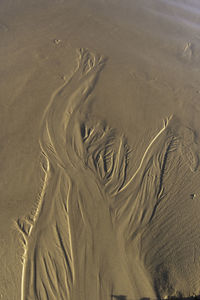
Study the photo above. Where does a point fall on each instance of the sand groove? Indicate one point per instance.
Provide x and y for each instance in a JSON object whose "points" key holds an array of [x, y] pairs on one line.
{"points": [[79, 241]]}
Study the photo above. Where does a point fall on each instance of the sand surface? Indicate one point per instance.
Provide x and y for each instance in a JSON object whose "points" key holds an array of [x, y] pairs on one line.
{"points": [[99, 149]]}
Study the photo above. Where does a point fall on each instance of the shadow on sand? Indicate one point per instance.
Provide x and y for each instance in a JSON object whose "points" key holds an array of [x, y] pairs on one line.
{"points": [[118, 297], [171, 298], [122, 297]]}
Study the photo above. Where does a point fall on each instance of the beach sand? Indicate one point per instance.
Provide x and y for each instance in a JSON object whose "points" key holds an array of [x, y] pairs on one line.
{"points": [[99, 149]]}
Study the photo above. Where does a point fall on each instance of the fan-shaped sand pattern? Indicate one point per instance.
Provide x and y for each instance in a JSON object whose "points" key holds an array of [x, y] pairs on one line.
{"points": [[79, 242]]}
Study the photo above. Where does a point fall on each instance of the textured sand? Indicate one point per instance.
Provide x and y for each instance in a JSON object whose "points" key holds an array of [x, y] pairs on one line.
{"points": [[100, 143]]}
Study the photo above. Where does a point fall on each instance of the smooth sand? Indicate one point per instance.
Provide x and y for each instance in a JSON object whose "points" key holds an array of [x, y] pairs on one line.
{"points": [[100, 141]]}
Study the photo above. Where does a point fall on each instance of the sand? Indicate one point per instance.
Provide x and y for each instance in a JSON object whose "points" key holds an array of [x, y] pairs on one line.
{"points": [[100, 144]]}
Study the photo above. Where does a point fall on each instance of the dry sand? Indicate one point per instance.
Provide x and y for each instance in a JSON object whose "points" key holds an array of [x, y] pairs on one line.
{"points": [[100, 143]]}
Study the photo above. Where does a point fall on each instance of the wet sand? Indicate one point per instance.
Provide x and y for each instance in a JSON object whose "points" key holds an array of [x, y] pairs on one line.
{"points": [[99, 106]]}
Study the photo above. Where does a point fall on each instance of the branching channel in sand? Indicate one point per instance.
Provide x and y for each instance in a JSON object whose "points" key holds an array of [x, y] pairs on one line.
{"points": [[87, 205]]}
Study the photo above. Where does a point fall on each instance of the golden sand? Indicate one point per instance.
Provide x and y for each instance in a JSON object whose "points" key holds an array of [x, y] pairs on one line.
{"points": [[100, 194]]}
